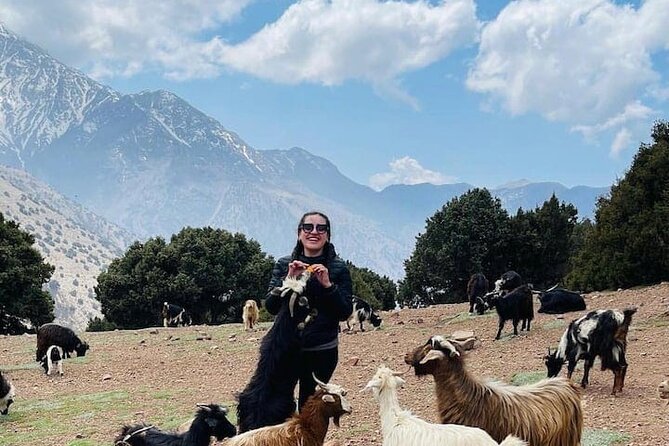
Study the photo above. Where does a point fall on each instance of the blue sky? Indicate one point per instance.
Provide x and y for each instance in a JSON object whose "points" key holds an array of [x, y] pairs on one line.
{"points": [[484, 92]]}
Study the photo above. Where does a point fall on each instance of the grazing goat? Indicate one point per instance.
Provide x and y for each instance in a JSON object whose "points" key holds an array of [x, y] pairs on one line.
{"points": [[210, 421], [362, 312], [308, 428], [54, 334], [515, 306], [547, 413], [250, 314], [559, 301], [53, 357], [13, 325], [7, 394], [477, 287], [600, 333], [401, 427], [268, 397], [175, 316]]}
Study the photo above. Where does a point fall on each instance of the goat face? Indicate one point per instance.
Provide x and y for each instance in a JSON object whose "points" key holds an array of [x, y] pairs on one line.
{"points": [[553, 363], [384, 378], [375, 320], [425, 358], [81, 349], [216, 418], [7, 400]]}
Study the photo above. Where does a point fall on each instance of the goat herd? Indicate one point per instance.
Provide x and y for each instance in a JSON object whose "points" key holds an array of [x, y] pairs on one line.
{"points": [[471, 411]]}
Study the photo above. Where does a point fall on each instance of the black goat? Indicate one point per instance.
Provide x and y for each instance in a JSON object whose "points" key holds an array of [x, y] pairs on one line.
{"points": [[54, 334], [268, 397], [210, 421], [600, 333], [476, 287], [7, 394], [514, 306], [510, 280], [559, 300]]}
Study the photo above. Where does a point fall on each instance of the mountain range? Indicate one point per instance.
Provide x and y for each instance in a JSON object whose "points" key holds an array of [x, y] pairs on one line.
{"points": [[151, 164]]}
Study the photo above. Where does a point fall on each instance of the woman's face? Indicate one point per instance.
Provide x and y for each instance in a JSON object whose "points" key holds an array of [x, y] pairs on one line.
{"points": [[313, 237]]}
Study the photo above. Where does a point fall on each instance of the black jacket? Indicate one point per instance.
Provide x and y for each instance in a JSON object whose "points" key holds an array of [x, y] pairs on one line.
{"points": [[333, 304]]}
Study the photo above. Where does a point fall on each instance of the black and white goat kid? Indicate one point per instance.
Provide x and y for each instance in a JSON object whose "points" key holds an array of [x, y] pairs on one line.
{"points": [[7, 394], [600, 333], [362, 312], [210, 421], [53, 358]]}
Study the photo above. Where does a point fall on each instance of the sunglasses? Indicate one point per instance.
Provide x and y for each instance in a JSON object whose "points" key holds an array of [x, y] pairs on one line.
{"points": [[309, 227]]}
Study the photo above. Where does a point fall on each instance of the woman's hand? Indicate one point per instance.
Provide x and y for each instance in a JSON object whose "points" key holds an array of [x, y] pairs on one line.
{"points": [[322, 275], [295, 268]]}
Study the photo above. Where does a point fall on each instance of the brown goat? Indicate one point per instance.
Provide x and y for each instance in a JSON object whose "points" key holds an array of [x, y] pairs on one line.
{"points": [[250, 314], [547, 413], [308, 428]]}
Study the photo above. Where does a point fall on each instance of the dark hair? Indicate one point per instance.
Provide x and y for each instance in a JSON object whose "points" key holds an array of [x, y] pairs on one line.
{"points": [[328, 249]]}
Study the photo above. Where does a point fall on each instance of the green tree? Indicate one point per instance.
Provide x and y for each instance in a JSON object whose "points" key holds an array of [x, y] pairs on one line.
{"points": [[629, 244], [379, 291], [23, 272], [210, 272], [467, 235], [540, 242]]}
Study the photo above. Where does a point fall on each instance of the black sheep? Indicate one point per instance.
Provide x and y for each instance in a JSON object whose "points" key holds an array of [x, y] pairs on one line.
{"points": [[210, 421], [54, 334]]}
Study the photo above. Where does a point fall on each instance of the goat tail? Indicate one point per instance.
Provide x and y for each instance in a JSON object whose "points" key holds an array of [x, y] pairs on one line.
{"points": [[513, 441]]}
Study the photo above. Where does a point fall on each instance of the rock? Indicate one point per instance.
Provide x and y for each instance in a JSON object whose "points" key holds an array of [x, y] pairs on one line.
{"points": [[154, 331], [79, 436], [467, 344], [203, 338], [106, 377], [353, 361]]}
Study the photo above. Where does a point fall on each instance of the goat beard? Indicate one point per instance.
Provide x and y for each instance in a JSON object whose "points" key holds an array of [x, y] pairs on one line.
{"points": [[335, 420]]}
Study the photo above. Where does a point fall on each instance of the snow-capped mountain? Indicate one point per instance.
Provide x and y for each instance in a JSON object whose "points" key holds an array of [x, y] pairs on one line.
{"points": [[152, 164]]}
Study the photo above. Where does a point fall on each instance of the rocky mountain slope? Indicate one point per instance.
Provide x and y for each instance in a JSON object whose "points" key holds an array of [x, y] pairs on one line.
{"points": [[74, 240]]}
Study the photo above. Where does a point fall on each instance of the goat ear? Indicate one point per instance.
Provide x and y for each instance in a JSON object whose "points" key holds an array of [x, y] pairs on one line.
{"points": [[432, 355], [328, 398]]}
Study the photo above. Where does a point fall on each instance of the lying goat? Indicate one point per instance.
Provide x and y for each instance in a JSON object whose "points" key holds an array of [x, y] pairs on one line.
{"points": [[210, 421]]}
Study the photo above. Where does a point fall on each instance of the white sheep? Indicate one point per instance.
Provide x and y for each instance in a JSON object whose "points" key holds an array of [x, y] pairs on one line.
{"points": [[402, 428]]}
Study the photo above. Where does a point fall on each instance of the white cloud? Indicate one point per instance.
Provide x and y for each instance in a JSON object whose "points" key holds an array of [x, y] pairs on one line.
{"points": [[319, 41], [407, 170], [622, 140], [329, 41], [123, 37], [586, 63]]}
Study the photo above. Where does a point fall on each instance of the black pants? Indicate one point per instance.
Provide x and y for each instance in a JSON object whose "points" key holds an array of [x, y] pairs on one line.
{"points": [[322, 363]]}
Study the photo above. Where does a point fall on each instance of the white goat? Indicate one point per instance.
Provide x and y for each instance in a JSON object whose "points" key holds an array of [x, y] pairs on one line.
{"points": [[401, 428]]}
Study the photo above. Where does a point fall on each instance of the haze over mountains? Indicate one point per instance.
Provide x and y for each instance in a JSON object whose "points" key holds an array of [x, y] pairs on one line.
{"points": [[151, 163]]}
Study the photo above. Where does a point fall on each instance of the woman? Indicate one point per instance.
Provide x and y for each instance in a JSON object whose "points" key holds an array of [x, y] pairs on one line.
{"points": [[329, 291]]}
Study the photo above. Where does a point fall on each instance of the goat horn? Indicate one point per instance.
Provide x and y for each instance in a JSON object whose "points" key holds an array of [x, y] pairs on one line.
{"points": [[318, 381], [552, 288], [204, 406]]}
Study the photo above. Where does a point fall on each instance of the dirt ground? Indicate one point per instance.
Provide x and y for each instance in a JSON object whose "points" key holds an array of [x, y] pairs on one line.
{"points": [[157, 375]]}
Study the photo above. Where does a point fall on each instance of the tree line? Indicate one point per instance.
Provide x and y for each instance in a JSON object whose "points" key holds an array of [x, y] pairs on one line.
{"points": [[212, 271]]}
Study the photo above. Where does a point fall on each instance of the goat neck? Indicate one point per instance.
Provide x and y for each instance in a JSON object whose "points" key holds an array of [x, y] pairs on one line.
{"points": [[314, 419], [389, 408], [454, 385], [199, 433]]}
